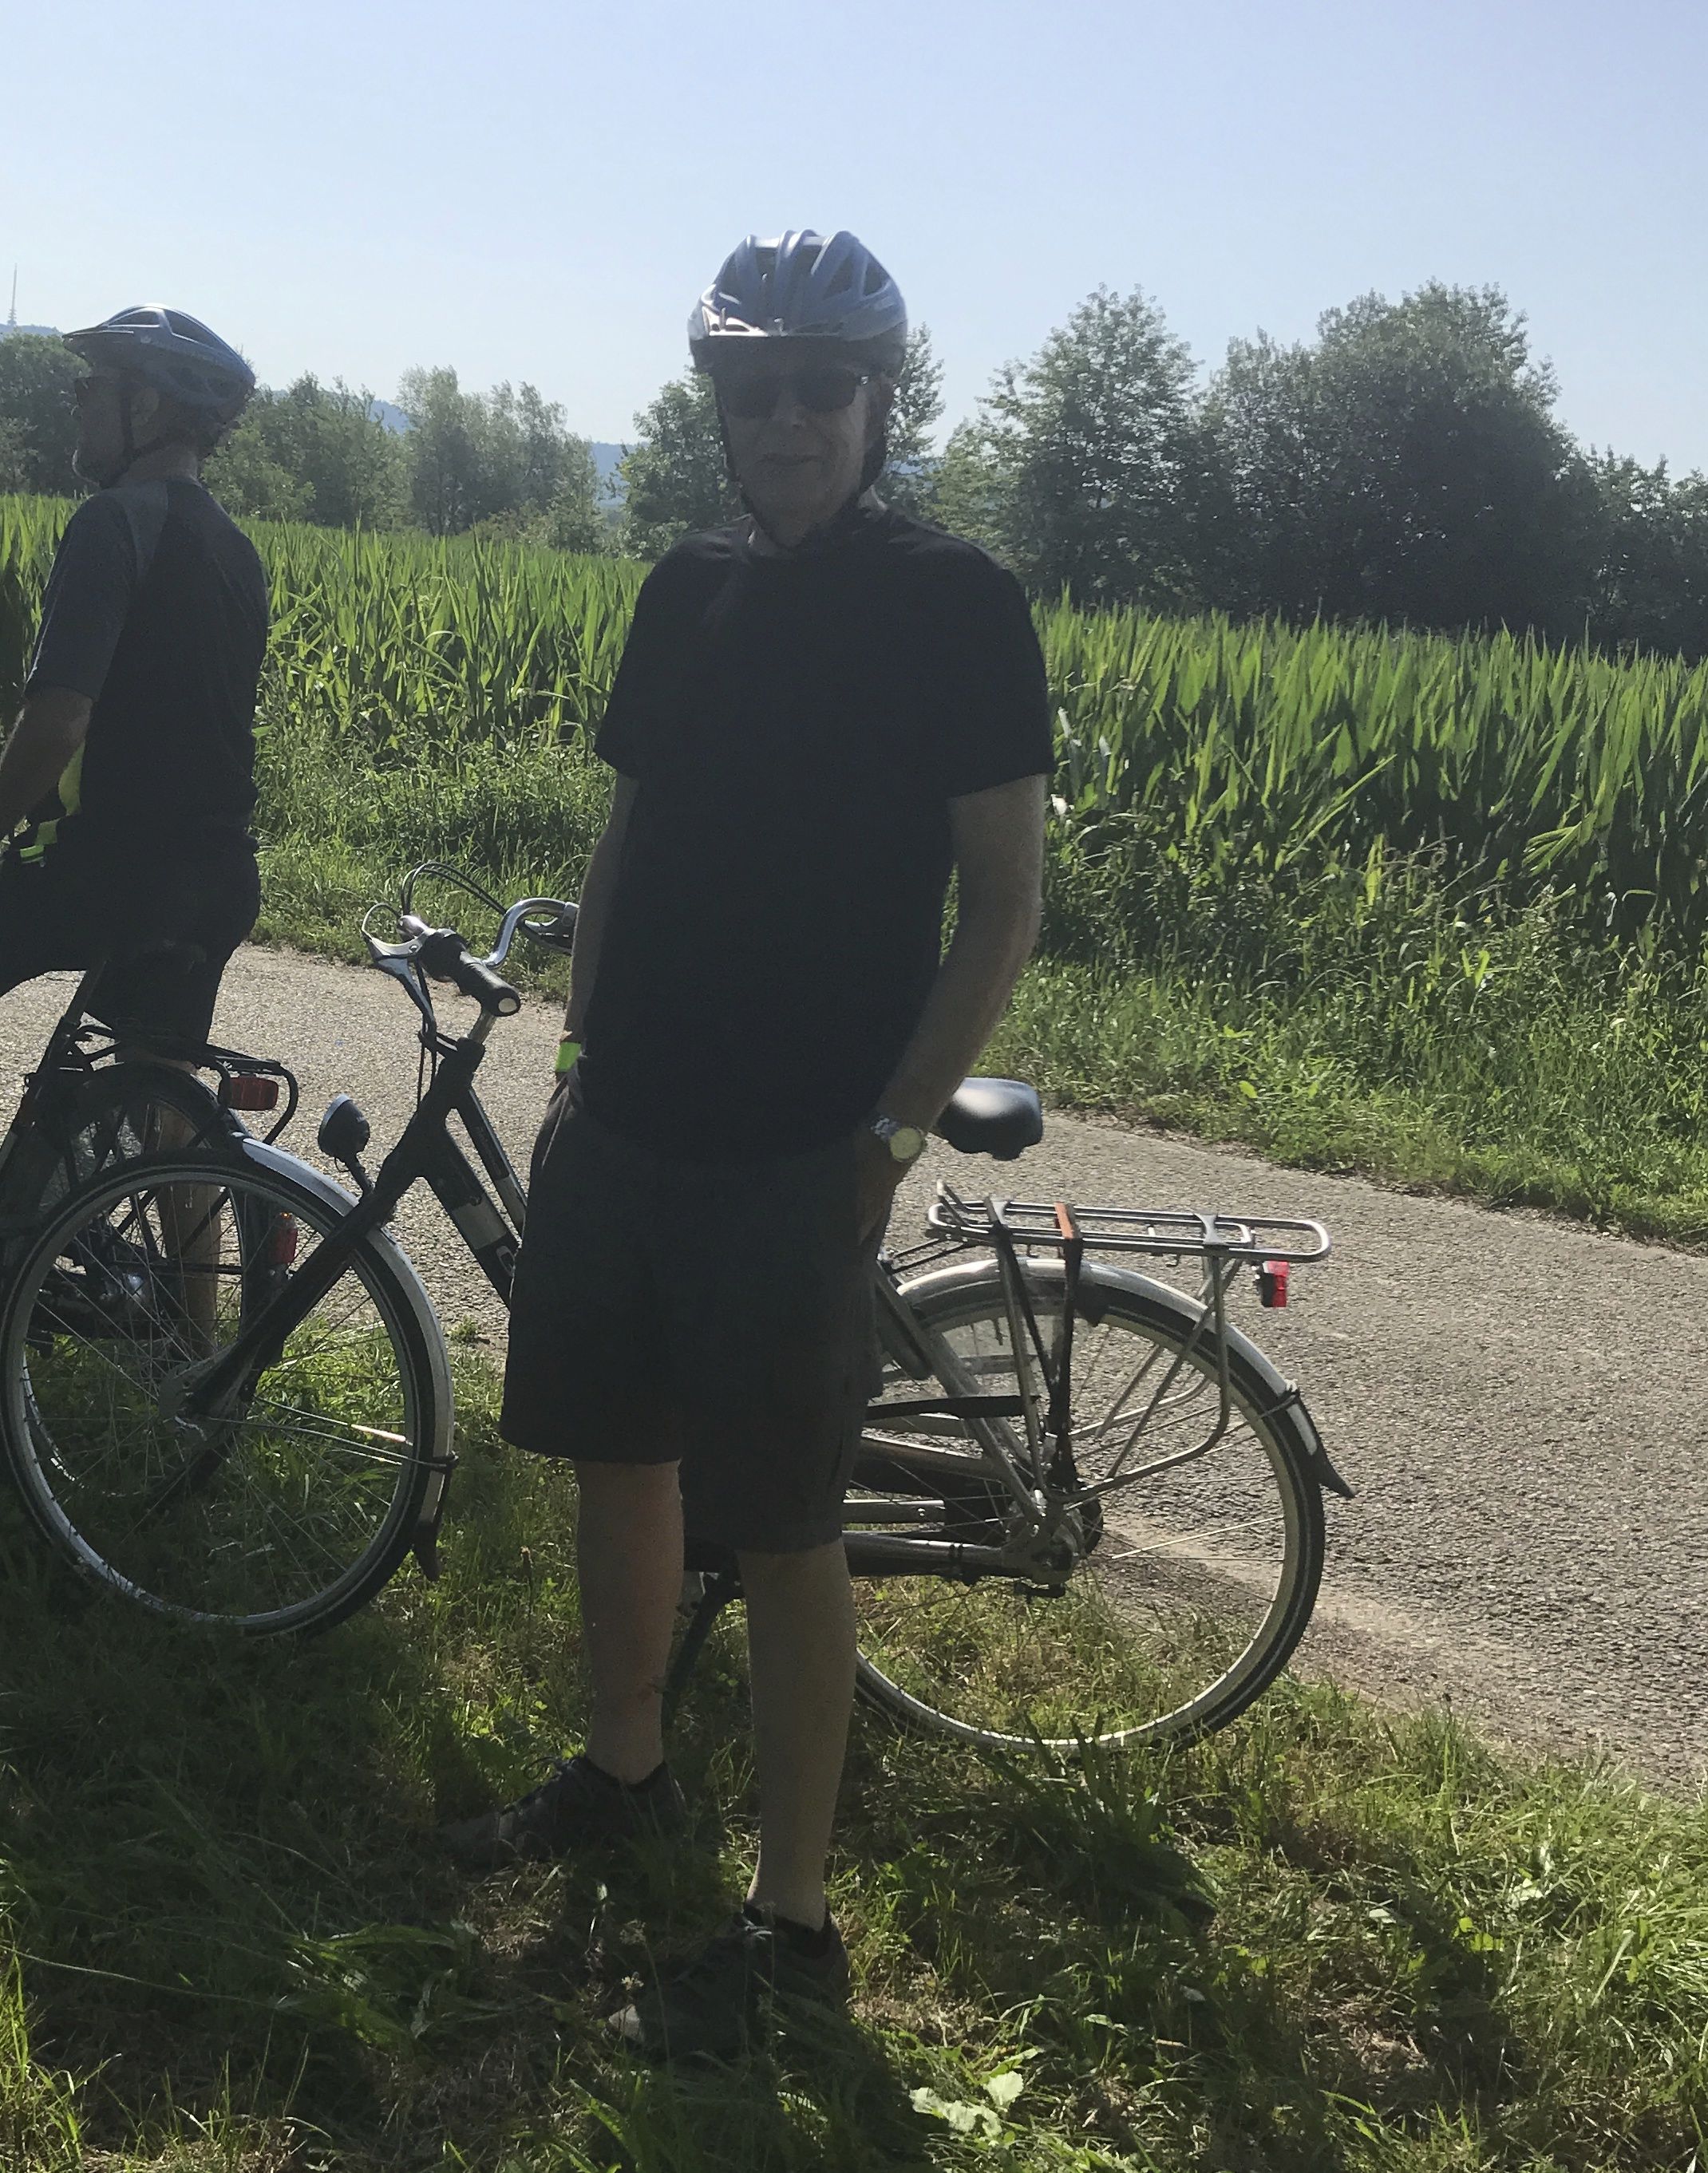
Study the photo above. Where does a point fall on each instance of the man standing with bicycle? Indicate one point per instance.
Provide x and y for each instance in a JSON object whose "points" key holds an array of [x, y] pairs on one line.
{"points": [[820, 714], [131, 766]]}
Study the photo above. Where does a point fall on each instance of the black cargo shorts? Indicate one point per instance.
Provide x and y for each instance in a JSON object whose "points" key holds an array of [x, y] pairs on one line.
{"points": [[721, 1314], [165, 929]]}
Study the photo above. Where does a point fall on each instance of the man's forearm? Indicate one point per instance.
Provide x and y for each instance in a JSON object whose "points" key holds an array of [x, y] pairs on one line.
{"points": [[50, 727], [971, 992]]}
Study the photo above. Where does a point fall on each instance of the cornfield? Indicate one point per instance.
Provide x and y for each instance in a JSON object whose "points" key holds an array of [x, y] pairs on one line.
{"points": [[1193, 752]]}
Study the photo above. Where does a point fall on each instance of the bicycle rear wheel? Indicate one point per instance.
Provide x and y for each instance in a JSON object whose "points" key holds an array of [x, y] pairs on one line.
{"points": [[1194, 1584], [85, 1126], [293, 1508]]}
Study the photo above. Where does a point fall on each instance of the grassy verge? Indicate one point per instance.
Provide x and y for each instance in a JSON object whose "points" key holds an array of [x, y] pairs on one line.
{"points": [[1587, 1100], [1327, 1940]]}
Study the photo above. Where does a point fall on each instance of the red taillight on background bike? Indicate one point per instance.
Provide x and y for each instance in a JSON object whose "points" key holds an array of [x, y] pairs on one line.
{"points": [[281, 1241], [248, 1090], [1272, 1282]]}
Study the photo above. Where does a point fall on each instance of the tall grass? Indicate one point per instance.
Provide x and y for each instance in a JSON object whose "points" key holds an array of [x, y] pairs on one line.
{"points": [[1206, 758]]}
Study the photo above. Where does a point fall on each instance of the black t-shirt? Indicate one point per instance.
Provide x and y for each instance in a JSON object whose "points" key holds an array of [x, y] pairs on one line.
{"points": [[797, 725], [156, 609]]}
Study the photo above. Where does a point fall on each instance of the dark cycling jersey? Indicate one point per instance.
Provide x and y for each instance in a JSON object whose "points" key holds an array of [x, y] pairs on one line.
{"points": [[141, 860], [798, 725], [156, 609]]}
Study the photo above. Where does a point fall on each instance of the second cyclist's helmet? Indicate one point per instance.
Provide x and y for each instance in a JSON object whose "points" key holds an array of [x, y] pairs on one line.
{"points": [[803, 286], [175, 353]]}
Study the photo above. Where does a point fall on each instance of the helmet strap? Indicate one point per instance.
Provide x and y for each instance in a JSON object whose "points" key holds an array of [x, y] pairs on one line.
{"points": [[132, 451]]}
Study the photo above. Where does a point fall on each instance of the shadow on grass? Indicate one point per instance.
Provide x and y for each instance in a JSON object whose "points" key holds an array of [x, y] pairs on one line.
{"points": [[1298, 1948]]}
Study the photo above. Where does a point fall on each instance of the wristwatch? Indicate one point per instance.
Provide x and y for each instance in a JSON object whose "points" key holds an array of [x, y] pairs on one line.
{"points": [[905, 1142]]}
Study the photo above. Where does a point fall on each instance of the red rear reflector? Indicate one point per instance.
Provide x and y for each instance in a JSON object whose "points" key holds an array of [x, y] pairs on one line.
{"points": [[247, 1090], [1272, 1282], [281, 1241]]}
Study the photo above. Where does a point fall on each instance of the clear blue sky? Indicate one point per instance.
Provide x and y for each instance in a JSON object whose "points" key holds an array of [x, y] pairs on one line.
{"points": [[538, 190]]}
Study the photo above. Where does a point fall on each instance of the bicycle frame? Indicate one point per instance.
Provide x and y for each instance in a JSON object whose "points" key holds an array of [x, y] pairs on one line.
{"points": [[425, 1150]]}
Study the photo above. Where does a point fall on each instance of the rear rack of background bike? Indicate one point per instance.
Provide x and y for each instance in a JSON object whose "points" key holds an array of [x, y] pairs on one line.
{"points": [[1223, 1244]]}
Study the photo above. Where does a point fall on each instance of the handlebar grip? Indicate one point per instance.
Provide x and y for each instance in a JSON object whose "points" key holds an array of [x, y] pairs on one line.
{"points": [[446, 957]]}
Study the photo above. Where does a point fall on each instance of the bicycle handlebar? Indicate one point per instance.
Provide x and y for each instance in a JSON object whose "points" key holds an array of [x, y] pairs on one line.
{"points": [[441, 953]]}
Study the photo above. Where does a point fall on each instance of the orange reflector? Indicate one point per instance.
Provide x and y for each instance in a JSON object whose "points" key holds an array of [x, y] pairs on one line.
{"points": [[248, 1090]]}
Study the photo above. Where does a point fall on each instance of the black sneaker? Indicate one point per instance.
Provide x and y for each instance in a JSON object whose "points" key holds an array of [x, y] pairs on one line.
{"points": [[580, 1806], [712, 2008]]}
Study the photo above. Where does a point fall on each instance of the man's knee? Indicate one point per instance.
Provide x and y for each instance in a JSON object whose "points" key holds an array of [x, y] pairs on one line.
{"points": [[627, 1485], [801, 1566]]}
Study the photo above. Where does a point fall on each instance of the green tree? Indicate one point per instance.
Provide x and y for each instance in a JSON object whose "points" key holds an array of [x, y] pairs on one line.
{"points": [[503, 461], [36, 376], [249, 479], [1650, 585], [1090, 455], [14, 455], [579, 515], [968, 493], [674, 479], [1407, 467], [313, 452], [447, 452], [909, 477]]}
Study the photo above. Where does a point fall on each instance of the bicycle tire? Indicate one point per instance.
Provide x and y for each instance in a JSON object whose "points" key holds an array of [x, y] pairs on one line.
{"points": [[927, 1660], [287, 1515]]}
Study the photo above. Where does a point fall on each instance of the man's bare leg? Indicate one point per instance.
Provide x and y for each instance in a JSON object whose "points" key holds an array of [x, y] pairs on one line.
{"points": [[629, 1555], [800, 1610], [190, 1218]]}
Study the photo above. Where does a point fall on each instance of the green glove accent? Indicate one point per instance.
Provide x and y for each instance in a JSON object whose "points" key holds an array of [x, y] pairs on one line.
{"points": [[568, 1051]]}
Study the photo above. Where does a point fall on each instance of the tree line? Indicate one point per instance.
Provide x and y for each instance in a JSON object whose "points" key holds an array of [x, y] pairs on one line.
{"points": [[1408, 464]]}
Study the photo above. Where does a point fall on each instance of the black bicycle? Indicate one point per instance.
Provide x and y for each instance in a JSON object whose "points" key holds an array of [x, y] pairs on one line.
{"points": [[1086, 1507]]}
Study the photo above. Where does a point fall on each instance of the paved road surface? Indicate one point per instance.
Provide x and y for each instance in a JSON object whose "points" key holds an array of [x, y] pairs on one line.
{"points": [[1518, 1402]]}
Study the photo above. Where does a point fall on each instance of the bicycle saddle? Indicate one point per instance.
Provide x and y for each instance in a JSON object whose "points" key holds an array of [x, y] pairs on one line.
{"points": [[998, 1116]]}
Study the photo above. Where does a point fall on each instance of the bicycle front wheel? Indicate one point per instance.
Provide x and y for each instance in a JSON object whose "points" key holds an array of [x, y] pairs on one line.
{"points": [[293, 1506], [1201, 1544]]}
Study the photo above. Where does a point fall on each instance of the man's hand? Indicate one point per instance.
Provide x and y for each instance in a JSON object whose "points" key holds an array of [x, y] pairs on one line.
{"points": [[877, 1175], [52, 725]]}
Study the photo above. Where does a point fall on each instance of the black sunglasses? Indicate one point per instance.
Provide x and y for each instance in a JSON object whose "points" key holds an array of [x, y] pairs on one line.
{"points": [[821, 388]]}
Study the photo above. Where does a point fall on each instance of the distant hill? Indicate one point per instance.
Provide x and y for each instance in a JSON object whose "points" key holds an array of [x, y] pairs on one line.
{"points": [[605, 459], [42, 331]]}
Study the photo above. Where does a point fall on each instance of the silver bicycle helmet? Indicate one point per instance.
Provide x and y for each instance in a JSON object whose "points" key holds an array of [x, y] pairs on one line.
{"points": [[175, 353], [803, 286]]}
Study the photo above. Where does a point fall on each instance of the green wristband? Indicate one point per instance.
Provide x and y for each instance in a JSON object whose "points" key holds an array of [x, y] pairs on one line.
{"points": [[568, 1051]]}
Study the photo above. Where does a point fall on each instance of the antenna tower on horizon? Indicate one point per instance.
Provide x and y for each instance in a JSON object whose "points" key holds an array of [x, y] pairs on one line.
{"points": [[12, 321]]}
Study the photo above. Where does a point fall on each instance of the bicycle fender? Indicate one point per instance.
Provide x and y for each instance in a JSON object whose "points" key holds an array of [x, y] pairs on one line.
{"points": [[441, 1459], [1283, 1400]]}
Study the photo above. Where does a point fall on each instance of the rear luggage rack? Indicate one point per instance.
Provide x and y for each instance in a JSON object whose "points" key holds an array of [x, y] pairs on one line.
{"points": [[1035, 1224]]}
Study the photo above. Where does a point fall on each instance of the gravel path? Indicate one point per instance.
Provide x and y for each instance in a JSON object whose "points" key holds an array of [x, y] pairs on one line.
{"points": [[1518, 1402]]}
